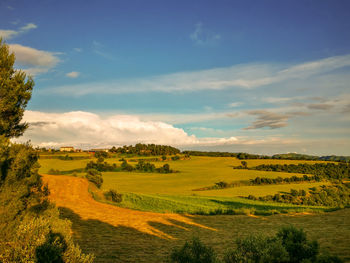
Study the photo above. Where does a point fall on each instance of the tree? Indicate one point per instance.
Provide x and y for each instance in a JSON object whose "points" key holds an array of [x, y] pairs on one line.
{"points": [[195, 252], [15, 92], [244, 164], [30, 227]]}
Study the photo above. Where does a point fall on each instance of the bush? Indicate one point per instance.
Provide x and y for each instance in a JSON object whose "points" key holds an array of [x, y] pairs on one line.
{"points": [[112, 195], [95, 177], [54, 171], [289, 245], [195, 252], [257, 249], [295, 242]]}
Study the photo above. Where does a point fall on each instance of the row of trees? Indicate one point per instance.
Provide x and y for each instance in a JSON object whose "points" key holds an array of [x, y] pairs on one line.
{"points": [[146, 149], [260, 181], [289, 245], [279, 180], [323, 170], [337, 195]]}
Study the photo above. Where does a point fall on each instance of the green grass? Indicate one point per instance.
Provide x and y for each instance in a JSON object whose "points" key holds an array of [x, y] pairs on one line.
{"points": [[174, 192], [208, 205]]}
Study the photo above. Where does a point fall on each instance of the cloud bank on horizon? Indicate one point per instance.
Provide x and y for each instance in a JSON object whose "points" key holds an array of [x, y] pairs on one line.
{"points": [[273, 79]]}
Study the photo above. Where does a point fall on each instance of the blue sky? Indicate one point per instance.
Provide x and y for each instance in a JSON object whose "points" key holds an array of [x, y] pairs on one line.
{"points": [[256, 76]]}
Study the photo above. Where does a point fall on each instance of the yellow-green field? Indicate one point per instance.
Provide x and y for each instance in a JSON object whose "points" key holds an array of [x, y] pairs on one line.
{"points": [[173, 192], [194, 173], [126, 241]]}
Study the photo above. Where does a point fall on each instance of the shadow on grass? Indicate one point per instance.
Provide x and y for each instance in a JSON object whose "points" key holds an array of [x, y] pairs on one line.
{"points": [[125, 244], [265, 208]]}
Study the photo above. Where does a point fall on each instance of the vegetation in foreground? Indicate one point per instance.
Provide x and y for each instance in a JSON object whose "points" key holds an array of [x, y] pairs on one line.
{"points": [[30, 227], [289, 245]]}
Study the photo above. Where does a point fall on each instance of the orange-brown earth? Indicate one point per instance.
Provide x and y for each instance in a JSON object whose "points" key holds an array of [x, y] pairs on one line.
{"points": [[72, 193]]}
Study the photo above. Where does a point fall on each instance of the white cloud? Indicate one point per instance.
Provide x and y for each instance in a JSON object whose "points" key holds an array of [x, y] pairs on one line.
{"points": [[37, 61], [201, 36], [28, 27], [78, 49], [73, 74], [240, 76], [235, 104], [89, 129], [8, 34]]}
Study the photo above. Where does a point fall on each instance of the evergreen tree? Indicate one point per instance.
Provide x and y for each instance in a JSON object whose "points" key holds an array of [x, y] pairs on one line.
{"points": [[15, 92]]}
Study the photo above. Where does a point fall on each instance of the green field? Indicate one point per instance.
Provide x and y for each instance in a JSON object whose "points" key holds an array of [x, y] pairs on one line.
{"points": [[174, 192], [226, 214]]}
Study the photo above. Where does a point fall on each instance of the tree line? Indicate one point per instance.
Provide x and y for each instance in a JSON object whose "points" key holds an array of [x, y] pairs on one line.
{"points": [[337, 195], [146, 149], [324, 170]]}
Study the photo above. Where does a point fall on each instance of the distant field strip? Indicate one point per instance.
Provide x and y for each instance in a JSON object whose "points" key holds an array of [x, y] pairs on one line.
{"points": [[72, 193], [206, 205]]}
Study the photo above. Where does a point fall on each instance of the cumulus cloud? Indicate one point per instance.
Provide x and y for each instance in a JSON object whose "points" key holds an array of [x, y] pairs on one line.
{"points": [[248, 76], [8, 34], [201, 36], [73, 74], [89, 129], [36, 61]]}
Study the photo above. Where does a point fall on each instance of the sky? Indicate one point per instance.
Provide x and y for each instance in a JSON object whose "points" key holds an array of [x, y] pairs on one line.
{"points": [[261, 77]]}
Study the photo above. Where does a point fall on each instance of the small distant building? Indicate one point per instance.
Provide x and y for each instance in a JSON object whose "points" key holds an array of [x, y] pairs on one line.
{"points": [[67, 149]]}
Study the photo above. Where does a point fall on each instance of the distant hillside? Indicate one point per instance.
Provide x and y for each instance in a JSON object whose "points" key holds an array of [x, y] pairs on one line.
{"points": [[283, 156]]}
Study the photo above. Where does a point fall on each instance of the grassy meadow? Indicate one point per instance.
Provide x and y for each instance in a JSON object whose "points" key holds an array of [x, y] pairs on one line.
{"points": [[174, 192], [221, 215]]}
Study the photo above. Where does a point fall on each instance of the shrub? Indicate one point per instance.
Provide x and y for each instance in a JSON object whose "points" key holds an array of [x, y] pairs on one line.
{"points": [[295, 242], [95, 177], [112, 195], [257, 249], [54, 171], [195, 252]]}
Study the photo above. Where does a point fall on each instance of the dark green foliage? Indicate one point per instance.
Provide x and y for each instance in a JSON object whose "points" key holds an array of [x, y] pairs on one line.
{"points": [[194, 251], [165, 169], [52, 250], [163, 158], [145, 166], [258, 249], [289, 245], [102, 154], [54, 171], [280, 180], [298, 247], [126, 167], [26, 216], [221, 184], [146, 149], [101, 166], [15, 92], [322, 170], [94, 176], [337, 195], [175, 158], [114, 196]]}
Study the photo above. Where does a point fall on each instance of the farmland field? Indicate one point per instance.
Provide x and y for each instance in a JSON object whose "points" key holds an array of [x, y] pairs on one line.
{"points": [[165, 203]]}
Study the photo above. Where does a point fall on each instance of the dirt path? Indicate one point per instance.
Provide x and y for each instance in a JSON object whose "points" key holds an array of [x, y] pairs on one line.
{"points": [[72, 193]]}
